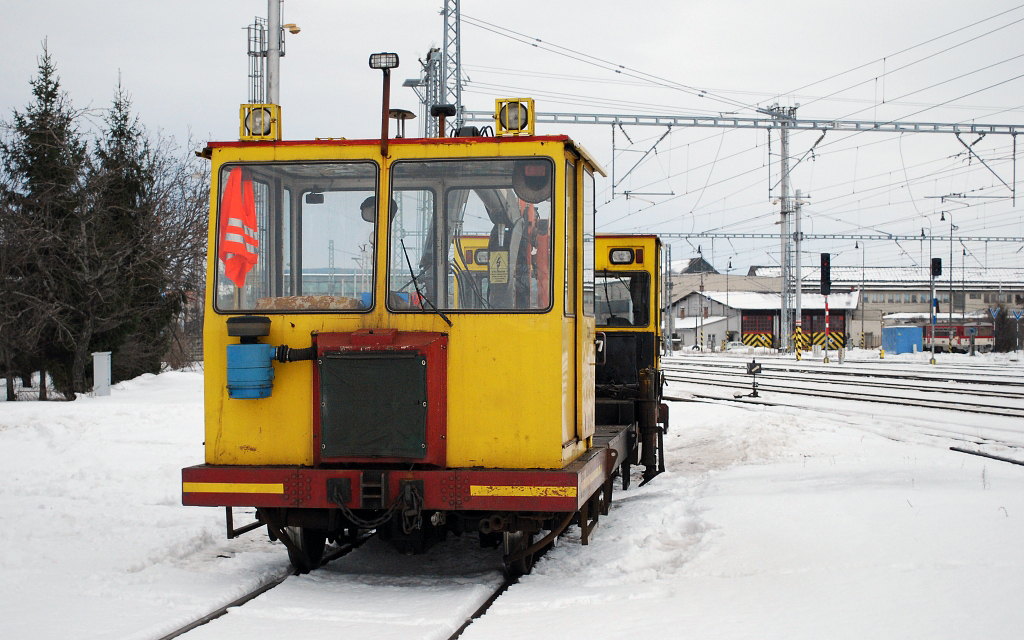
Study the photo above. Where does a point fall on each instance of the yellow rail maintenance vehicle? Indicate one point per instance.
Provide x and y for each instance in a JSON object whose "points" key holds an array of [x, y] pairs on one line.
{"points": [[629, 380], [406, 394]]}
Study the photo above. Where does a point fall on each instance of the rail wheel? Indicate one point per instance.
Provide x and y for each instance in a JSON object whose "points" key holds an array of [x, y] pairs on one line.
{"points": [[309, 548], [514, 543]]}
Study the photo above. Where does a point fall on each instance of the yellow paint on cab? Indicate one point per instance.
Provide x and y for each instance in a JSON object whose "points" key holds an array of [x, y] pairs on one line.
{"points": [[507, 372]]}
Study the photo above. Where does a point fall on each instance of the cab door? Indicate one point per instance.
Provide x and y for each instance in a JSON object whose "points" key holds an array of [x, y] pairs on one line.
{"points": [[571, 431], [579, 329], [586, 329]]}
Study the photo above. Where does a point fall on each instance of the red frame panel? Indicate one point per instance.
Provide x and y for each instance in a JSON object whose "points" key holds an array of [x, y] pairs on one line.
{"points": [[520, 490], [433, 346], [562, 490]]}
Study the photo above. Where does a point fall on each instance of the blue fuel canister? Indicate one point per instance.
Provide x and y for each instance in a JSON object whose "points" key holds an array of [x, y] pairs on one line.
{"points": [[250, 370]]}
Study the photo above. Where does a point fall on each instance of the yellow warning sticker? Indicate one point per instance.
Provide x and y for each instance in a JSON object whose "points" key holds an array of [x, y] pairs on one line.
{"points": [[514, 491], [231, 487], [497, 267]]}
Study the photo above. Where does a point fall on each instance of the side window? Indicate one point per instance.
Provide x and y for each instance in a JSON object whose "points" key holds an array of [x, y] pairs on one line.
{"points": [[570, 238]]}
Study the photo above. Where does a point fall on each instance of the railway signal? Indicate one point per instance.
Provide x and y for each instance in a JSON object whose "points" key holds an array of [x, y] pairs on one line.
{"points": [[936, 272], [826, 274], [826, 288], [753, 368]]}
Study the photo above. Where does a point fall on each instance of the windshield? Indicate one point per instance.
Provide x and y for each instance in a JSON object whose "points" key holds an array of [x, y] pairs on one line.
{"points": [[296, 237], [471, 235], [622, 299]]}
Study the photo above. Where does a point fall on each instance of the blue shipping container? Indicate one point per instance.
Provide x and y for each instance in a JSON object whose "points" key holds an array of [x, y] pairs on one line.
{"points": [[902, 339]]}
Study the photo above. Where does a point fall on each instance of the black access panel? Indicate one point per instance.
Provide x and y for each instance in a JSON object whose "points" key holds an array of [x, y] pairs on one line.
{"points": [[373, 404]]}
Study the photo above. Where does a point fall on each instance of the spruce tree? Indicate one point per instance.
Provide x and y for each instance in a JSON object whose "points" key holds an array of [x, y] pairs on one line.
{"points": [[43, 158], [126, 214], [98, 252]]}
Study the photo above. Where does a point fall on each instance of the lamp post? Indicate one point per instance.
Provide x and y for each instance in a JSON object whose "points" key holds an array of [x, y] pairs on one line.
{"points": [[949, 315], [963, 284], [701, 297], [727, 307], [863, 303], [275, 38], [932, 302]]}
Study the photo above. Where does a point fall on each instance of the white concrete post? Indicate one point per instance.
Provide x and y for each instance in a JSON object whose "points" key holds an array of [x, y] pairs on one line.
{"points": [[101, 373]]}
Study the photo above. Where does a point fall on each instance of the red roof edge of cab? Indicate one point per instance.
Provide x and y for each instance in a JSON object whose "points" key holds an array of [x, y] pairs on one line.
{"points": [[628, 235], [376, 141]]}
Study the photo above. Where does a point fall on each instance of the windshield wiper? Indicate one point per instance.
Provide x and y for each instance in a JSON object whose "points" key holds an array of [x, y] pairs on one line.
{"points": [[416, 284], [608, 298]]}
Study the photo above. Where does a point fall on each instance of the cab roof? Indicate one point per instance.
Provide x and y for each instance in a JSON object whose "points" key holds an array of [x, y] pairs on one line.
{"points": [[343, 142]]}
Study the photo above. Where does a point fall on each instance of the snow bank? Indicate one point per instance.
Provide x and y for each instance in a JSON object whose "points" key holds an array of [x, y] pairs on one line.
{"points": [[95, 542], [772, 522], [775, 526]]}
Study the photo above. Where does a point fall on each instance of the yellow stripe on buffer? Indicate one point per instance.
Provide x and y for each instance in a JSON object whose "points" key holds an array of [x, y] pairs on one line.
{"points": [[230, 487], [499, 491]]}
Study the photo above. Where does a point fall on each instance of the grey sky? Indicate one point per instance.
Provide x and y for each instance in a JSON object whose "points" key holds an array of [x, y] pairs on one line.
{"points": [[185, 65]]}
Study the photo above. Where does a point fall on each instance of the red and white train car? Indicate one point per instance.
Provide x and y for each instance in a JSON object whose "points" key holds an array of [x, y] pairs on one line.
{"points": [[956, 338]]}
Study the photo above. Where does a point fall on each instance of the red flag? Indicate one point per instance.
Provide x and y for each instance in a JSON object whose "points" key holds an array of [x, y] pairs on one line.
{"points": [[238, 243]]}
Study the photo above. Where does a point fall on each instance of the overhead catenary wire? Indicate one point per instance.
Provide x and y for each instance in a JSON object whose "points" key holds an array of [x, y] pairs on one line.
{"points": [[910, 64], [704, 208], [900, 52], [603, 64]]}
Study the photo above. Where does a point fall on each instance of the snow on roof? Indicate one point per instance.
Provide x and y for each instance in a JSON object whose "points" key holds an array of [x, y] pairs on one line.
{"points": [[902, 276], [914, 317], [693, 322], [758, 300]]}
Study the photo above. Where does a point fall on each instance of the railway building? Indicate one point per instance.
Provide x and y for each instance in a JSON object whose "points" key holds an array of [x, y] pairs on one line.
{"points": [[746, 307], [752, 317], [888, 291]]}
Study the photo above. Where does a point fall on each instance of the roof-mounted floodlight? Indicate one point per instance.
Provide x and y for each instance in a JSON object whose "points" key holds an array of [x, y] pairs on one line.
{"points": [[514, 117], [383, 61], [260, 122]]}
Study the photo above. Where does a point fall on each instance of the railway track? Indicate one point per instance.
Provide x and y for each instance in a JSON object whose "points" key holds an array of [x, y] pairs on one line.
{"points": [[330, 556], [334, 588], [929, 429], [961, 364], [938, 373], [735, 382], [901, 383]]}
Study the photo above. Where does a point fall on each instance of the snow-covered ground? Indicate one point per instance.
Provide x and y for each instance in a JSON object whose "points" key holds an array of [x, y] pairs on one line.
{"points": [[772, 522]]}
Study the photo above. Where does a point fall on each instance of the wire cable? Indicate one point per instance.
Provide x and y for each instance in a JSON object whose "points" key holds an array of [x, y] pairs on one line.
{"points": [[900, 52]]}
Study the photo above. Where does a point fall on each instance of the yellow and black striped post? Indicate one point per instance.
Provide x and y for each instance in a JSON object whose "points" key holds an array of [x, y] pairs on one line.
{"points": [[757, 339]]}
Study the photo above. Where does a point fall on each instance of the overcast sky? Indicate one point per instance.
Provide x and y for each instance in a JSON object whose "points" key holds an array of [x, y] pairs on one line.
{"points": [[185, 65]]}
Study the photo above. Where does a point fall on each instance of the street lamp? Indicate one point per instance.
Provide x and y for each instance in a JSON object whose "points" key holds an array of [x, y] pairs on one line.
{"points": [[932, 302], [863, 303], [728, 309], [952, 228], [701, 297]]}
